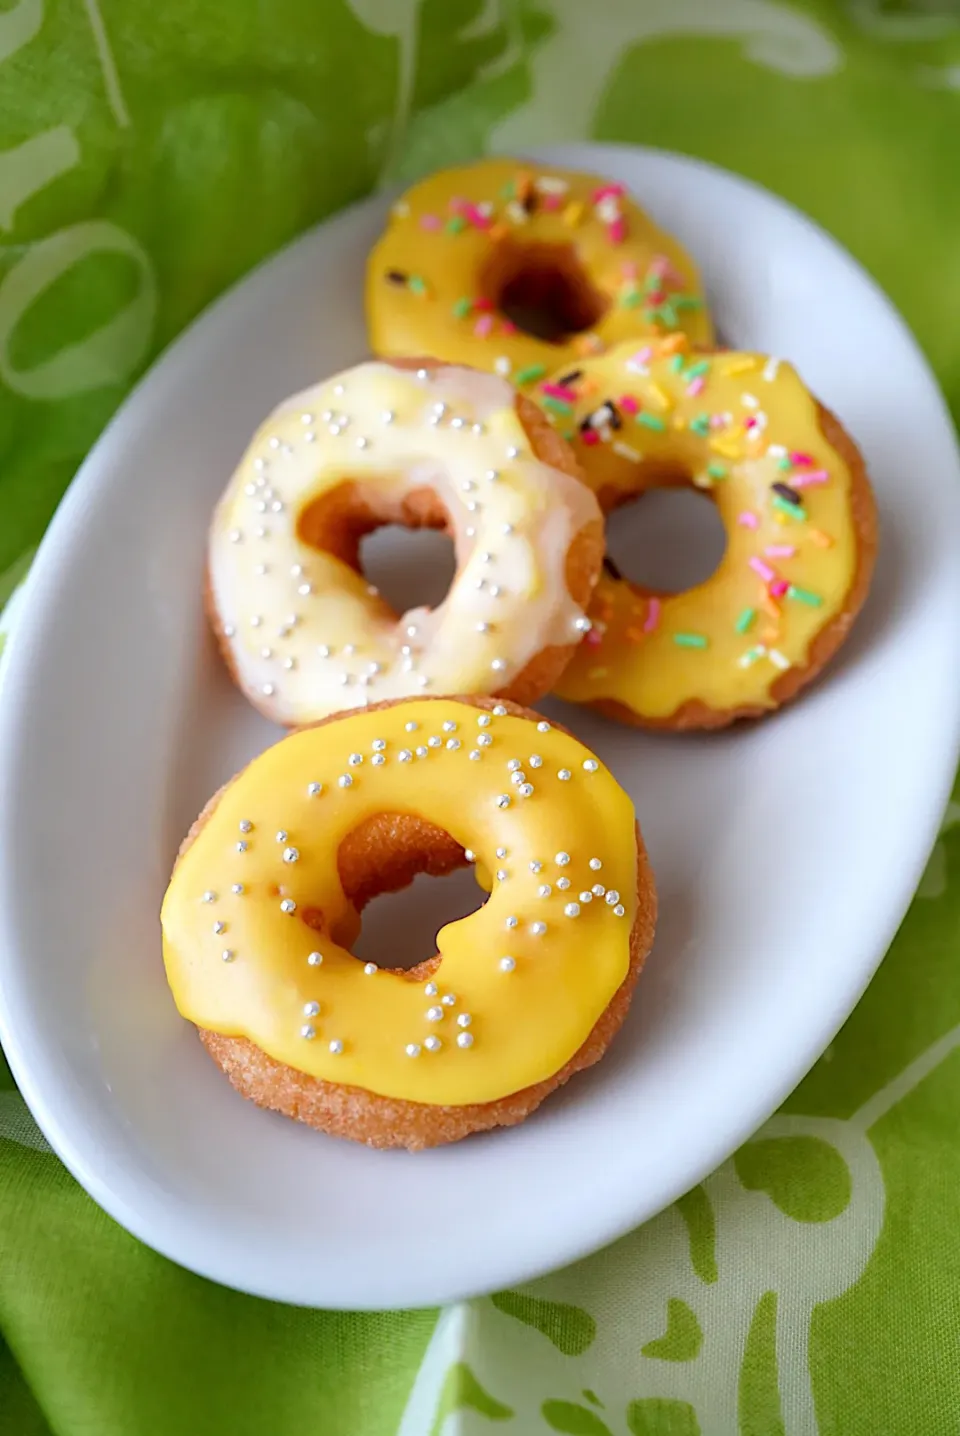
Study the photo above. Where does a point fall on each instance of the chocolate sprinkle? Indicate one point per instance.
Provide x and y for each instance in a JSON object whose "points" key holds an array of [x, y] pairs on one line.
{"points": [[570, 378], [395, 276], [785, 492], [611, 567]]}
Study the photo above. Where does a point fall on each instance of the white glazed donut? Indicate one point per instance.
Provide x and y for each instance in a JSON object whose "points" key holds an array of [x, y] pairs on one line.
{"points": [[302, 630]]}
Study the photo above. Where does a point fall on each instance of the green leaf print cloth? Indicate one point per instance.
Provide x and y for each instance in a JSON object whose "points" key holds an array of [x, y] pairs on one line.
{"points": [[150, 154]]}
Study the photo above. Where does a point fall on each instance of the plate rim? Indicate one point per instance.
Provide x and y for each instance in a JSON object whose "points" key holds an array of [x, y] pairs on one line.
{"points": [[571, 1245]]}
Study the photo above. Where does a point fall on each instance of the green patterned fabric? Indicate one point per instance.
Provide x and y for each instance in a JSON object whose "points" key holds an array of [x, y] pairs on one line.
{"points": [[150, 154]]}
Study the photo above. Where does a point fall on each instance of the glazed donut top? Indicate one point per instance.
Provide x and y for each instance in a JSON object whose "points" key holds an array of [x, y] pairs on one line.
{"points": [[745, 429], [461, 240], [257, 925], [308, 635]]}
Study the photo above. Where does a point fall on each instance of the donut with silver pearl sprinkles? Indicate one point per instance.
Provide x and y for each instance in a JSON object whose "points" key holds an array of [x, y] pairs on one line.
{"points": [[382, 853]]}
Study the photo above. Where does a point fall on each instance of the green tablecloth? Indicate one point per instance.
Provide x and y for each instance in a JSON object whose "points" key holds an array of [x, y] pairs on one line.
{"points": [[149, 155]]}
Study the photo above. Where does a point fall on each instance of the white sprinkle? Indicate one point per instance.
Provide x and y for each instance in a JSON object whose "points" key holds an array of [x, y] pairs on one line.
{"points": [[236, 888], [336, 1047], [518, 777], [586, 896], [619, 910], [315, 959], [464, 1019], [513, 452], [378, 745], [434, 1014], [453, 744], [456, 423], [255, 621], [219, 927], [484, 740], [431, 989], [538, 928], [432, 1044], [412, 1049], [510, 922], [475, 755], [613, 897], [314, 790], [324, 650], [227, 955], [777, 658], [362, 443], [387, 416], [370, 968], [241, 847], [525, 790], [564, 775], [590, 765], [544, 890], [345, 780], [304, 589], [449, 999], [422, 751], [378, 760], [507, 964], [268, 690], [498, 665], [288, 905], [308, 1031], [536, 867], [209, 896], [501, 852], [536, 761], [290, 855], [513, 765], [470, 855], [465, 1039], [561, 859], [582, 624], [355, 760], [572, 909], [543, 727], [434, 741], [311, 1009], [483, 720], [245, 825], [499, 711], [235, 535], [750, 401], [229, 630], [503, 800], [563, 884], [598, 889], [596, 864]]}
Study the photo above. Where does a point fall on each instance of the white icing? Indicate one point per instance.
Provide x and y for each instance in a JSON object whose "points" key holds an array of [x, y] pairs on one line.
{"points": [[262, 573]]}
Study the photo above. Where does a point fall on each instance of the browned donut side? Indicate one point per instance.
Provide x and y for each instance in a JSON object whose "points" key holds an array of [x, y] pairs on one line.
{"points": [[361, 513], [866, 528], [398, 847]]}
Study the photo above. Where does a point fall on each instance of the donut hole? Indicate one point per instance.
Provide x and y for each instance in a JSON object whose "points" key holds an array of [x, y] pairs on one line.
{"points": [[401, 545], [543, 289], [673, 541], [388, 866]]}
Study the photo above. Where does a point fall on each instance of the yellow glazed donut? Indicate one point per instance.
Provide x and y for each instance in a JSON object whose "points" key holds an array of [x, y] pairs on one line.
{"points": [[800, 522], [264, 906], [521, 269], [302, 630]]}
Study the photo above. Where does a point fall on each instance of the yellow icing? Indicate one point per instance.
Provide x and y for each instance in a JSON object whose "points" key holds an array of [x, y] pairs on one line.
{"points": [[451, 266], [525, 1023], [633, 655], [308, 634]]}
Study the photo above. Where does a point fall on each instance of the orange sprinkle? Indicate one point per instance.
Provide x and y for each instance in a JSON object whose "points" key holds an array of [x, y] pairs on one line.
{"points": [[677, 343], [521, 184], [821, 539], [725, 447], [633, 635], [597, 673], [770, 608], [586, 387], [770, 635], [496, 232]]}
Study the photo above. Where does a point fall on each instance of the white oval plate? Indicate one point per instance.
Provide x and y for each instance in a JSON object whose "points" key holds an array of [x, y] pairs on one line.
{"points": [[786, 853]]}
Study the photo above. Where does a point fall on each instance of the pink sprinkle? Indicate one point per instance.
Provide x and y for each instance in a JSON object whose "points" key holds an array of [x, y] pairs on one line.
{"points": [[594, 638], [661, 265], [605, 191], [628, 404], [749, 423], [629, 269], [478, 220], [653, 615], [617, 231], [483, 304], [660, 296], [797, 458], [507, 326], [815, 476], [780, 550], [551, 201], [695, 386], [458, 204], [559, 391], [779, 588], [718, 421], [429, 221], [590, 436], [483, 326], [642, 356], [761, 568], [748, 520]]}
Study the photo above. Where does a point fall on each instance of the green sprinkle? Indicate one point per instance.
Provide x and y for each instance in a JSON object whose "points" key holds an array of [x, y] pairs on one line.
{"points": [[695, 370], [701, 425], [508, 191], [690, 640], [651, 284], [559, 406], [416, 284], [455, 223], [784, 463], [462, 308], [651, 421], [631, 299], [532, 371], [651, 314], [668, 314], [803, 595], [676, 363], [716, 470], [686, 301], [569, 436], [796, 511], [745, 620], [751, 656]]}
